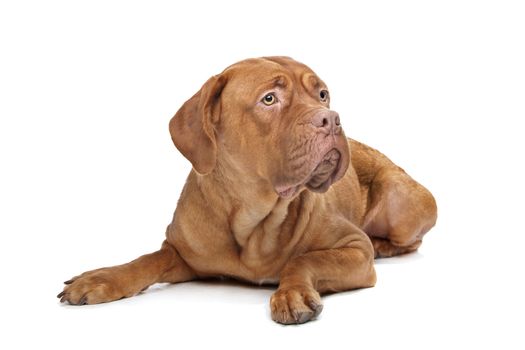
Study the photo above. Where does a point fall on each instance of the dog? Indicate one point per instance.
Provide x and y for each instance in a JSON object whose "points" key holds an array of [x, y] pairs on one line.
{"points": [[277, 194]]}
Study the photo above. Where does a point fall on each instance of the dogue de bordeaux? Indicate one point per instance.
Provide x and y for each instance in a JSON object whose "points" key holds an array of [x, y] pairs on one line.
{"points": [[277, 195]]}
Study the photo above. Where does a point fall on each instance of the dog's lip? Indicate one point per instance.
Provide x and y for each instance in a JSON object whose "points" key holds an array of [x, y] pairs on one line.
{"points": [[325, 185], [287, 192]]}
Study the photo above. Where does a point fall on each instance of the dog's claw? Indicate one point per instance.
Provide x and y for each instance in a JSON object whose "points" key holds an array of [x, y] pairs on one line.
{"points": [[61, 294], [302, 317], [316, 307]]}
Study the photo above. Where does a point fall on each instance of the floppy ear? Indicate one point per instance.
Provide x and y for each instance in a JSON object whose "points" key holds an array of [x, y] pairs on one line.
{"points": [[192, 129]]}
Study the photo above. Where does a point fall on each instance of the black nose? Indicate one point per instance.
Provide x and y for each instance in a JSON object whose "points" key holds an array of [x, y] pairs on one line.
{"points": [[328, 121]]}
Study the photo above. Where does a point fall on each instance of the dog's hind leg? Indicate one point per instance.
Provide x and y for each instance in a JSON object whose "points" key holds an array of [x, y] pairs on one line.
{"points": [[399, 211]]}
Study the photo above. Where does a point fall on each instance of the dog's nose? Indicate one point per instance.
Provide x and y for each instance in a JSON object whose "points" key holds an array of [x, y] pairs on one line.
{"points": [[328, 121]]}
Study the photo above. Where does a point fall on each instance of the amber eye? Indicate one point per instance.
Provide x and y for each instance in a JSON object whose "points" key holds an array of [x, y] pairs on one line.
{"points": [[323, 95], [269, 99]]}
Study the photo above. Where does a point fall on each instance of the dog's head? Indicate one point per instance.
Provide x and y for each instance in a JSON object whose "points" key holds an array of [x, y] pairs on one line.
{"points": [[266, 118]]}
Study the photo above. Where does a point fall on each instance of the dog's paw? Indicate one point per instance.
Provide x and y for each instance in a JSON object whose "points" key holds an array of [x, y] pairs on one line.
{"points": [[295, 305], [93, 287]]}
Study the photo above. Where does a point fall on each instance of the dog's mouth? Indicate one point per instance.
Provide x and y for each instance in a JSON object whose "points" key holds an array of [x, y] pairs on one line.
{"points": [[324, 173], [320, 179]]}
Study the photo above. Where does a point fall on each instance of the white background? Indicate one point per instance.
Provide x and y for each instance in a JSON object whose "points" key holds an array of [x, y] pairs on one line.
{"points": [[90, 178]]}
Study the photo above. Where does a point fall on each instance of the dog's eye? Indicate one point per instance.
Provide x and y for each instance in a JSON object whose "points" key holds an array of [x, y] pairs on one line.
{"points": [[323, 95], [269, 99]]}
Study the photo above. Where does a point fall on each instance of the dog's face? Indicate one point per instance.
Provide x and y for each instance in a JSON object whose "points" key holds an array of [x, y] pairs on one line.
{"points": [[269, 119]]}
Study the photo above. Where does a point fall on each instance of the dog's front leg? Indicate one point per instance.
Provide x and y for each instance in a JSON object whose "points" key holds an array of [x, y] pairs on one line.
{"points": [[297, 300], [116, 282]]}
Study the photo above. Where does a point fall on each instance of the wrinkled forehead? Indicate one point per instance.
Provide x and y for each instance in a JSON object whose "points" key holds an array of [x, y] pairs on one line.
{"points": [[255, 74]]}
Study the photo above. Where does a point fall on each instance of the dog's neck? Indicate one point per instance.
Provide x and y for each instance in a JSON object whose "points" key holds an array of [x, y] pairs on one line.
{"points": [[249, 203]]}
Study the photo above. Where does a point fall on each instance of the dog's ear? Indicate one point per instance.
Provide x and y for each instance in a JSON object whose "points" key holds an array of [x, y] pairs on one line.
{"points": [[192, 127]]}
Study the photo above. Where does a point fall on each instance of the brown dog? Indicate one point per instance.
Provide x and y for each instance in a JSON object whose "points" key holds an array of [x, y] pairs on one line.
{"points": [[262, 203]]}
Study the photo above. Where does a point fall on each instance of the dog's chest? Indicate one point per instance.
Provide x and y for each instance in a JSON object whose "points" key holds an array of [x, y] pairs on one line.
{"points": [[257, 238], [269, 237], [253, 222]]}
